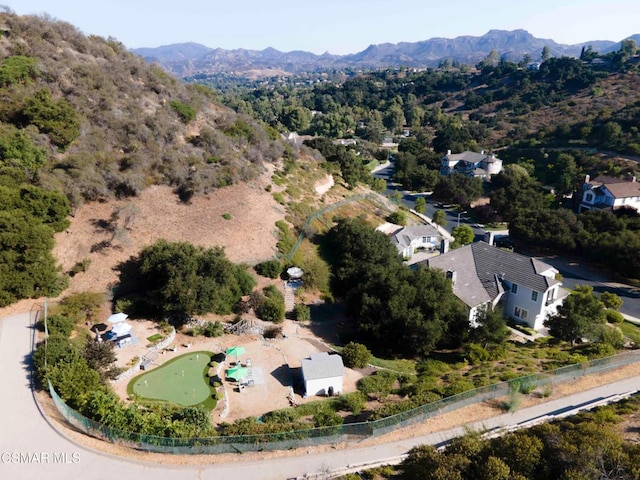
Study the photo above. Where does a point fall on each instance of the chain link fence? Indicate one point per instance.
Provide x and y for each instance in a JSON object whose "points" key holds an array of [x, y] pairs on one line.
{"points": [[340, 433]]}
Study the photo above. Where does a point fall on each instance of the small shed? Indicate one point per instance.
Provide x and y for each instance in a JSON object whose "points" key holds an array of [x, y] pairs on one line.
{"points": [[323, 374]]}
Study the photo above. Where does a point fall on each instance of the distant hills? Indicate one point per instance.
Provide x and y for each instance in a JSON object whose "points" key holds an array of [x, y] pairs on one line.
{"points": [[186, 59]]}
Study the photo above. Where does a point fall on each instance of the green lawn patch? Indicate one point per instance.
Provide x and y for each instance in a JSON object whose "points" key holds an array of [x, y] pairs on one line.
{"points": [[631, 331], [182, 380], [155, 337], [400, 365]]}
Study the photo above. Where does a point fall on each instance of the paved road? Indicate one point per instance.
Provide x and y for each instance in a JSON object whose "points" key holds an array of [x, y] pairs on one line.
{"points": [[576, 272], [51, 456], [453, 216]]}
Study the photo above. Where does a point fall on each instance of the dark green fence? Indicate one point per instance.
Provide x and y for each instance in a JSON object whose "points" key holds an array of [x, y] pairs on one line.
{"points": [[340, 433]]}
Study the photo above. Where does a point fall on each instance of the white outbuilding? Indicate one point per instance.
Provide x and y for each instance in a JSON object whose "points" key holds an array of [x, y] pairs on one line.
{"points": [[323, 374]]}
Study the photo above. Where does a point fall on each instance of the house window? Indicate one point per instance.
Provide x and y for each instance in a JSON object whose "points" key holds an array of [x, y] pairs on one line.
{"points": [[588, 197], [521, 313], [514, 288], [534, 296]]}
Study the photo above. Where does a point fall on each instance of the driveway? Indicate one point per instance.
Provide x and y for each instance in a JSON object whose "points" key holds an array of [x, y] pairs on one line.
{"points": [[31, 449]]}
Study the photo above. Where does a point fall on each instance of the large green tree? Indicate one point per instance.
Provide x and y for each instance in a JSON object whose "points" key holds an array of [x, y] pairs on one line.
{"points": [[394, 309], [178, 279], [580, 315]]}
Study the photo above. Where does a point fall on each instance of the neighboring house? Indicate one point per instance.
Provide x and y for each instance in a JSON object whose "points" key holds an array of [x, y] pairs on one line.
{"points": [[608, 193], [483, 276], [323, 374], [471, 164], [345, 141], [409, 239]]}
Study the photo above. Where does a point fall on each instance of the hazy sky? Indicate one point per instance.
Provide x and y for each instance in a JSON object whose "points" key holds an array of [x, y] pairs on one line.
{"points": [[336, 26]]}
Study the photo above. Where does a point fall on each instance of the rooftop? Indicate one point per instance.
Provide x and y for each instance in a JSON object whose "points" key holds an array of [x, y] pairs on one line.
{"points": [[322, 365], [480, 269]]}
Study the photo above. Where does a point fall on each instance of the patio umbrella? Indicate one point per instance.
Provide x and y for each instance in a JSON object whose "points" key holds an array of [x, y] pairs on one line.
{"points": [[237, 373], [117, 317], [235, 352]]}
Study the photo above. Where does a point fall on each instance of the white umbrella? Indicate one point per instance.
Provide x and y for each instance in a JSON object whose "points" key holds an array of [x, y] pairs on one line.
{"points": [[117, 317], [121, 329]]}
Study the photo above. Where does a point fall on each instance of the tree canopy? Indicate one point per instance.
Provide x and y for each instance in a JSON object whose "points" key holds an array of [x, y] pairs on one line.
{"points": [[180, 279], [393, 308]]}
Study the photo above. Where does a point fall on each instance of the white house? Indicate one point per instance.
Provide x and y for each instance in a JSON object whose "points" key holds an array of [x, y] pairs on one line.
{"points": [[483, 276], [323, 374], [608, 193], [409, 239], [471, 164]]}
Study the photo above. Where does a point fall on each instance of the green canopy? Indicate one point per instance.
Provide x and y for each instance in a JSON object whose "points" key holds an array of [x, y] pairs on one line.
{"points": [[237, 373], [235, 351]]}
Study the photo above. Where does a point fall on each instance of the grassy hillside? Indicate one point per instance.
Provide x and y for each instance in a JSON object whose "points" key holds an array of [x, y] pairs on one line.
{"points": [[98, 122]]}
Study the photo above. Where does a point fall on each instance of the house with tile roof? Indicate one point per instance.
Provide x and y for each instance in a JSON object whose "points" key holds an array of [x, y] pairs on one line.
{"points": [[323, 374], [417, 237], [609, 193], [471, 164], [484, 276]]}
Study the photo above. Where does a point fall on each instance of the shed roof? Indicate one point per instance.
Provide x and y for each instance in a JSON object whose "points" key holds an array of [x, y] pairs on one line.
{"points": [[322, 365]]}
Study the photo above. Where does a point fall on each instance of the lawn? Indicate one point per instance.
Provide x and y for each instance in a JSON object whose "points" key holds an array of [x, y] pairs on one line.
{"points": [[182, 380], [155, 337], [631, 331]]}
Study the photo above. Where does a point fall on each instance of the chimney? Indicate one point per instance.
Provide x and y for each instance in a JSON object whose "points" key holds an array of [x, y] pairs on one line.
{"points": [[481, 152], [633, 179], [448, 152], [451, 275], [587, 178]]}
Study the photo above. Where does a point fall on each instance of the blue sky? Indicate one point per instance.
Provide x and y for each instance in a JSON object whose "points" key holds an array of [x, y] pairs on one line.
{"points": [[336, 26]]}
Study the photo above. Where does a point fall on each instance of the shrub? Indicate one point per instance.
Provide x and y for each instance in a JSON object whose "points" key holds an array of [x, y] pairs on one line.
{"points": [[213, 329], [272, 332], [185, 112], [271, 305], [398, 217], [326, 418], [80, 267], [356, 355], [477, 354], [58, 324], [302, 312], [227, 216], [269, 268], [352, 402], [613, 316]]}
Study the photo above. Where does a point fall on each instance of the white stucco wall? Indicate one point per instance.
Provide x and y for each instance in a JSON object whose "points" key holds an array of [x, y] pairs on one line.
{"points": [[321, 386]]}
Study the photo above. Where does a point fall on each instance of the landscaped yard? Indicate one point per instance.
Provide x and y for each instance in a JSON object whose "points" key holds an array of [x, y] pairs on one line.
{"points": [[182, 380]]}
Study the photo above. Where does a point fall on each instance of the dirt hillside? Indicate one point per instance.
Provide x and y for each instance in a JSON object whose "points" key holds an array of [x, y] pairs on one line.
{"points": [[239, 218]]}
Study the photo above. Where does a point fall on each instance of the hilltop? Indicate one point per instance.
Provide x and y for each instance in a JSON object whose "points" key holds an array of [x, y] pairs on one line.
{"points": [[109, 124]]}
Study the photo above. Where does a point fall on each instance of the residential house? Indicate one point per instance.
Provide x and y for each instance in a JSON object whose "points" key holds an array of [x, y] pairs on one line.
{"points": [[471, 164], [323, 374], [608, 193], [483, 276], [418, 237]]}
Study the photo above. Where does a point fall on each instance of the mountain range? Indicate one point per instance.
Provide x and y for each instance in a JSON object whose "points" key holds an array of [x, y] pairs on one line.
{"points": [[187, 59]]}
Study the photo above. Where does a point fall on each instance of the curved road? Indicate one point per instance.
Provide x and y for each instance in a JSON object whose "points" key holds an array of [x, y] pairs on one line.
{"points": [[31, 449]]}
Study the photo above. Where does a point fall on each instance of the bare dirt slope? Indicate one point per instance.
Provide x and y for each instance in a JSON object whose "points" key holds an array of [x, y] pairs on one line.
{"points": [[108, 233]]}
